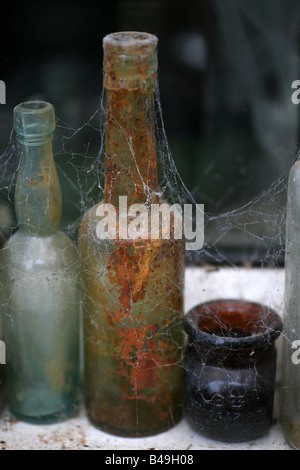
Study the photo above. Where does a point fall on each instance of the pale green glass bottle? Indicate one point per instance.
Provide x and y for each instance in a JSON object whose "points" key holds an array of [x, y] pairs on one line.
{"points": [[40, 296]]}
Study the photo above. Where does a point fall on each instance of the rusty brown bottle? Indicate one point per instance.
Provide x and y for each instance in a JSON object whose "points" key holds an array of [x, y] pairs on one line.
{"points": [[133, 286]]}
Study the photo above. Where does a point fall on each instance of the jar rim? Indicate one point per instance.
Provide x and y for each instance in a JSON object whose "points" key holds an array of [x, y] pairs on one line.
{"points": [[216, 322]]}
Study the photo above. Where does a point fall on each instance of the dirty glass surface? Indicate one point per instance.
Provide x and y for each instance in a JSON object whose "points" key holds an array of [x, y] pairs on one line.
{"points": [[226, 123]]}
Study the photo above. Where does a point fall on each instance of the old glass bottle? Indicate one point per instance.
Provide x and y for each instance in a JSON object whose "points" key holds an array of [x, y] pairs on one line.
{"points": [[290, 387], [40, 270], [133, 286]]}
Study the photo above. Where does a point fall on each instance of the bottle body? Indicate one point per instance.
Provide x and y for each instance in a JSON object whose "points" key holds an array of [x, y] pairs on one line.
{"points": [[290, 387], [132, 312], [133, 302], [40, 304], [41, 326]]}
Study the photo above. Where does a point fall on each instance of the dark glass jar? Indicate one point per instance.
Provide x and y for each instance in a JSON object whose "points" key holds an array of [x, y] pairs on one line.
{"points": [[230, 368]]}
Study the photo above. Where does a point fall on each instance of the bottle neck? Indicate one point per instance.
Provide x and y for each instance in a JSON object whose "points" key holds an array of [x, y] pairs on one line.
{"points": [[38, 195], [130, 147]]}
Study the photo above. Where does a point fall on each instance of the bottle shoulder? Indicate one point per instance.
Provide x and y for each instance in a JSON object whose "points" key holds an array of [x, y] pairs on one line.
{"points": [[294, 174], [58, 238], [26, 250]]}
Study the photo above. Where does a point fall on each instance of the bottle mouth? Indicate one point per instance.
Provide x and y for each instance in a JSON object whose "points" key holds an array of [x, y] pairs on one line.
{"points": [[34, 120], [37, 106], [129, 41], [130, 59]]}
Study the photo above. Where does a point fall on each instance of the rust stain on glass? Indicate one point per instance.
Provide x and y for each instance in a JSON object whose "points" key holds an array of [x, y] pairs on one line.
{"points": [[133, 288]]}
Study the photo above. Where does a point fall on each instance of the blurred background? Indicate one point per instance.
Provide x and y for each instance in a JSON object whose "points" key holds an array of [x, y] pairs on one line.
{"points": [[225, 73]]}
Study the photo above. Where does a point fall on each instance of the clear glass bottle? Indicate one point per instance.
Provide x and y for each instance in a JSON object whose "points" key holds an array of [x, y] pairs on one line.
{"points": [[290, 386], [40, 273], [133, 304]]}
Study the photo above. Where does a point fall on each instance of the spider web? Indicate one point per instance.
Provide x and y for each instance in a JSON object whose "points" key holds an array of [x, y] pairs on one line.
{"points": [[79, 154], [79, 157]]}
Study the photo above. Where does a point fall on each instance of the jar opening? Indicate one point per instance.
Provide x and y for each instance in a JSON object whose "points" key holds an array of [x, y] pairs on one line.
{"points": [[230, 333], [233, 323], [224, 318]]}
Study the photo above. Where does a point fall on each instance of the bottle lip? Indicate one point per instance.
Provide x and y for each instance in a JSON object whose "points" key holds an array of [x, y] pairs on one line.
{"points": [[126, 42], [34, 119], [130, 60]]}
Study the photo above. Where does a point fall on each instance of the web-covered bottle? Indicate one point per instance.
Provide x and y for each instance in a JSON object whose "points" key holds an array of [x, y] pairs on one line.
{"points": [[133, 284], [40, 304]]}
